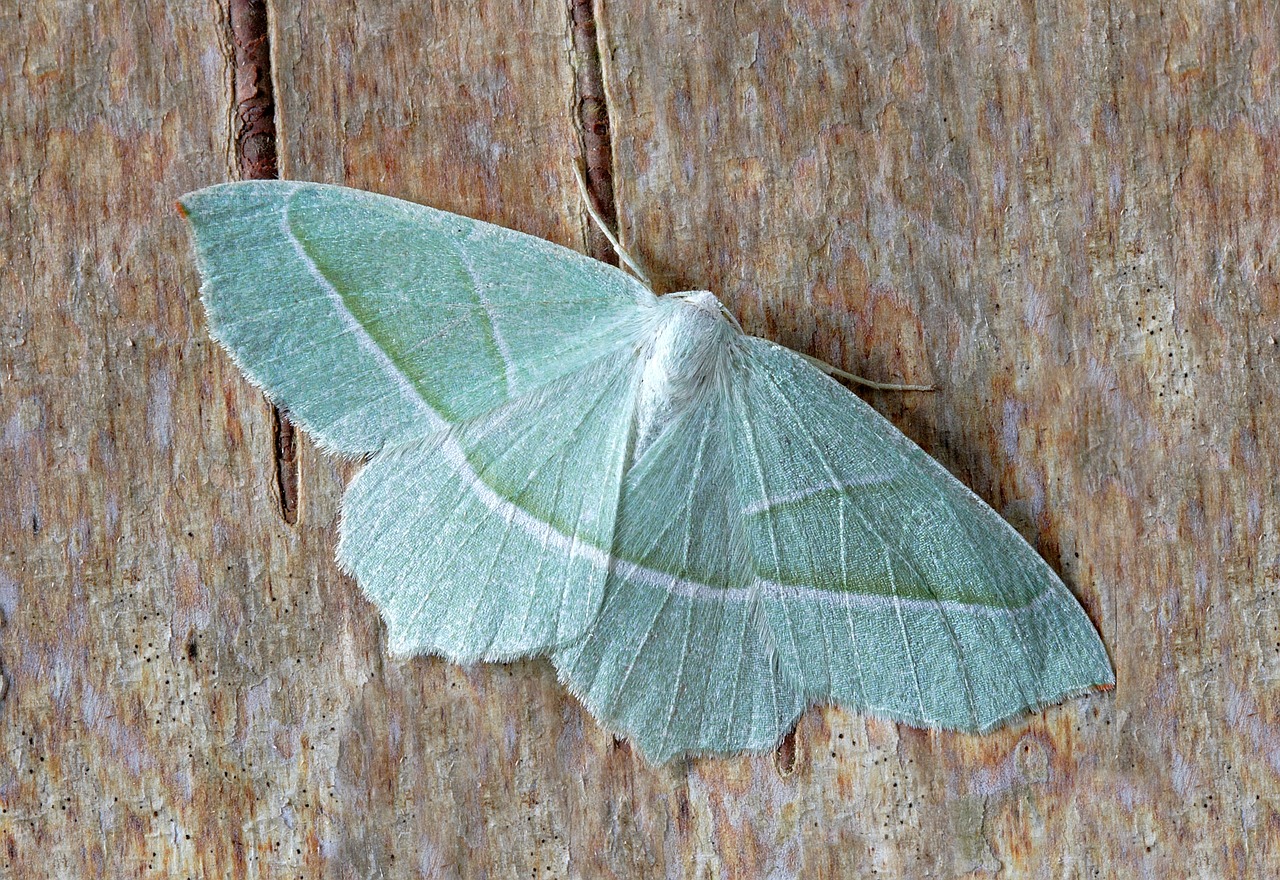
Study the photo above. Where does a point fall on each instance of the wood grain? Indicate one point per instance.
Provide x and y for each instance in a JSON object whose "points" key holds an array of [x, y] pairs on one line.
{"points": [[1065, 216]]}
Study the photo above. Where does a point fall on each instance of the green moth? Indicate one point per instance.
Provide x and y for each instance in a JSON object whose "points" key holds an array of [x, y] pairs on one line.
{"points": [[704, 532]]}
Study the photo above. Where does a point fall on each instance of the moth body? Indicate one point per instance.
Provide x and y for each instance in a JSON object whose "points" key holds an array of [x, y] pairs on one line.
{"points": [[685, 361]]}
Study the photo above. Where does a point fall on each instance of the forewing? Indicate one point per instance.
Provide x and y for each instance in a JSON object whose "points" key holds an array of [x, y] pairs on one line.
{"points": [[887, 584], [374, 319], [489, 540], [680, 657]]}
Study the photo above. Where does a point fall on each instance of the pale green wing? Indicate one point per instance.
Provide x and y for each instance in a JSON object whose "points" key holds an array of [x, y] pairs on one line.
{"points": [[888, 585], [681, 658], [489, 540], [372, 319]]}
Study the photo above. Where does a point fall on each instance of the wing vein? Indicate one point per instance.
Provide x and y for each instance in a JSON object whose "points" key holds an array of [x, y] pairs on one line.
{"points": [[910, 563], [495, 335], [353, 325]]}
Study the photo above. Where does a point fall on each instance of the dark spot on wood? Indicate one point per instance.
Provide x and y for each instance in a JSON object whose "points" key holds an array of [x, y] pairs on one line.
{"points": [[784, 756], [683, 810]]}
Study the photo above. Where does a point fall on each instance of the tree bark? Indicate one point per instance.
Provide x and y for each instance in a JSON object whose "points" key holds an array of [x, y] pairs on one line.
{"points": [[1064, 216]]}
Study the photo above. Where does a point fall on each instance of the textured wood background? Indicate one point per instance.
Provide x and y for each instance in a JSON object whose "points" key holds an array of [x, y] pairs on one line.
{"points": [[1064, 214]]}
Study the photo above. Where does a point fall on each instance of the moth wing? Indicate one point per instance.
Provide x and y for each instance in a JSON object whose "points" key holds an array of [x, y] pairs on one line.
{"points": [[489, 539], [680, 657], [887, 584], [374, 320]]}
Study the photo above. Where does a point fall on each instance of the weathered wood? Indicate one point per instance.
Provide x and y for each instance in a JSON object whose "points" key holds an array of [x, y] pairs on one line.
{"points": [[1066, 216]]}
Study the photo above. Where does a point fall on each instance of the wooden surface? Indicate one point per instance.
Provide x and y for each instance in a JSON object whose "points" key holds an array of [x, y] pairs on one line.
{"points": [[1064, 215]]}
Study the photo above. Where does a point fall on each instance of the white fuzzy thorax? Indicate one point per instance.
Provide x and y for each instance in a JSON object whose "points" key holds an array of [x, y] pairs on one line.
{"points": [[685, 361]]}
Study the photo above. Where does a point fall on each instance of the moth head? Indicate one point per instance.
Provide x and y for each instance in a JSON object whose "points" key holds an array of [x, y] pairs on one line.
{"points": [[707, 302], [701, 299]]}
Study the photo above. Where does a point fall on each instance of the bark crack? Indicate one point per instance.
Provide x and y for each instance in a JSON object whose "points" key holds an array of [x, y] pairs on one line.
{"points": [[784, 754], [253, 96], [591, 117]]}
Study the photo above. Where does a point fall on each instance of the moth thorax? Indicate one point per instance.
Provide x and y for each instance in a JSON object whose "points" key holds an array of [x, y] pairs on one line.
{"points": [[685, 361]]}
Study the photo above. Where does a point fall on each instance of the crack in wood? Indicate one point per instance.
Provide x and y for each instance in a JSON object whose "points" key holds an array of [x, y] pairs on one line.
{"points": [[254, 95], [591, 117], [784, 754], [255, 147]]}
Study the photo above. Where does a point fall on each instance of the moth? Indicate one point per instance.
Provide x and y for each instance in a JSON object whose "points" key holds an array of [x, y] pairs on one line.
{"points": [[703, 530]]}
